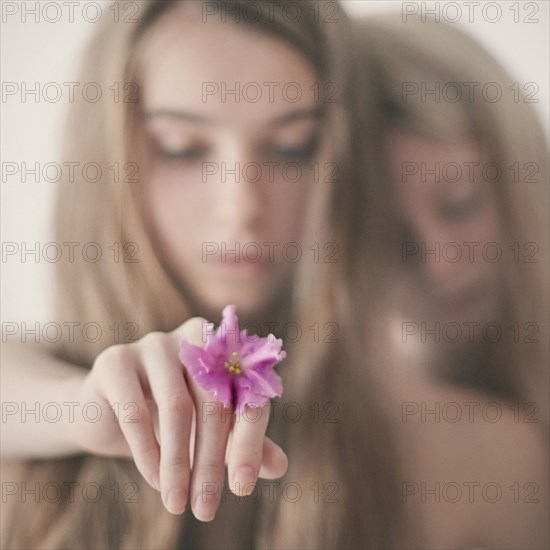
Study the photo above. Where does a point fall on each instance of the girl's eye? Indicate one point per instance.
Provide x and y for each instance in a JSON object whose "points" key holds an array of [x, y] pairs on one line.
{"points": [[187, 153], [296, 153]]}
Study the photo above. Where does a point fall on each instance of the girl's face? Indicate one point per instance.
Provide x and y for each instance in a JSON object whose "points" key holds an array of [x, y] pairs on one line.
{"points": [[227, 135], [450, 218]]}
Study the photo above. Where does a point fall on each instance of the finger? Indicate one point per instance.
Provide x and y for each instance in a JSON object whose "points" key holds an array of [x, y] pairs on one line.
{"points": [[246, 452], [120, 449], [175, 412], [212, 430], [194, 330], [153, 409], [274, 461], [124, 388], [212, 426]]}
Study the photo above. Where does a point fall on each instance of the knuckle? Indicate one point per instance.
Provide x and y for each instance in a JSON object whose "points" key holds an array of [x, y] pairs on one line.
{"points": [[154, 339], [113, 359], [120, 353], [142, 416], [251, 450], [208, 470], [193, 330], [178, 404], [133, 427], [176, 462], [148, 457]]}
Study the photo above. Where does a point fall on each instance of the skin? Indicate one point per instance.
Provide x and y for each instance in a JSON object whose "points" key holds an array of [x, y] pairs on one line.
{"points": [[173, 415], [447, 212], [181, 132], [469, 452], [185, 130]]}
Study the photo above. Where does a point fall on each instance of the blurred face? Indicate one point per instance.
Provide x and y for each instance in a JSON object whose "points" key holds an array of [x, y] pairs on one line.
{"points": [[449, 218], [224, 192]]}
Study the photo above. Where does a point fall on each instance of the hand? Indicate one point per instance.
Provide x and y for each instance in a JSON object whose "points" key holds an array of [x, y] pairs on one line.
{"points": [[179, 438]]}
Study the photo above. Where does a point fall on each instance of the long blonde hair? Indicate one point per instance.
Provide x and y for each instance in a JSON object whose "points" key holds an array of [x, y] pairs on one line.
{"points": [[348, 453], [118, 293]]}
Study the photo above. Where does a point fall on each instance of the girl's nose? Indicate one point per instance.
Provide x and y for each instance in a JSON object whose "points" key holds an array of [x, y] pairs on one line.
{"points": [[238, 197]]}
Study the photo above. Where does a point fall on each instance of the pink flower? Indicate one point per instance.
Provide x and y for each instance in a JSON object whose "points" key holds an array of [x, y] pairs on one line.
{"points": [[235, 366]]}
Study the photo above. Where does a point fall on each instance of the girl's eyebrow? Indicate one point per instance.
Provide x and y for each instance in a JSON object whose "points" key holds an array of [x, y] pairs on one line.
{"points": [[170, 113], [299, 114], [288, 118]]}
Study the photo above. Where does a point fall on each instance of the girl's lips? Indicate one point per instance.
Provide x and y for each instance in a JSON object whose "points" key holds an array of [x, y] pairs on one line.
{"points": [[240, 267]]}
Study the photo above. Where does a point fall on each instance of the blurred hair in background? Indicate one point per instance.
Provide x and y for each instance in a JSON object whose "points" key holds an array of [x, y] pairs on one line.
{"points": [[457, 214]]}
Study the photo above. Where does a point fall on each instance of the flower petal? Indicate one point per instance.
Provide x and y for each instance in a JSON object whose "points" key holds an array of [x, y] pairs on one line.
{"points": [[264, 352], [228, 331], [220, 385], [195, 358], [207, 371], [255, 388]]}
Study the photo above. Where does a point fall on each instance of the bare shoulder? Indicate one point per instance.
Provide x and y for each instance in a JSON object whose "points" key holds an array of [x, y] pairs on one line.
{"points": [[476, 470]]}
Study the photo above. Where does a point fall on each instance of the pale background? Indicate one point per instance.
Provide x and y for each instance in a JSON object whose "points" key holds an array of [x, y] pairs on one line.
{"points": [[49, 52]]}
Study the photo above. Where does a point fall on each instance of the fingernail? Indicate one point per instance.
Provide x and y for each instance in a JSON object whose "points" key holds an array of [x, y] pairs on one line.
{"points": [[175, 501], [204, 506], [245, 479]]}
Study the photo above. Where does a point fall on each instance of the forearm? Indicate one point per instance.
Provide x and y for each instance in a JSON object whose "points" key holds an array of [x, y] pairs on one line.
{"points": [[39, 409]]}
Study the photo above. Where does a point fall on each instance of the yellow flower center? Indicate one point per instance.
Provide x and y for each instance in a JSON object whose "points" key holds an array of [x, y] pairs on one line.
{"points": [[233, 366]]}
